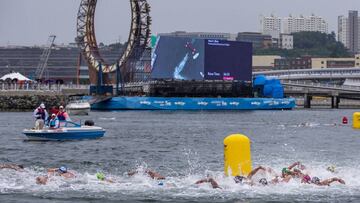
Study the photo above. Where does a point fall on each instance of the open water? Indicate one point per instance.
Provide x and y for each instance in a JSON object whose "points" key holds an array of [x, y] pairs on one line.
{"points": [[184, 147]]}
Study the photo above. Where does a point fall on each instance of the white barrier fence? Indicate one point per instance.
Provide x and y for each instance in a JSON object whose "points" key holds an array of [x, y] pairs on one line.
{"points": [[39, 87]]}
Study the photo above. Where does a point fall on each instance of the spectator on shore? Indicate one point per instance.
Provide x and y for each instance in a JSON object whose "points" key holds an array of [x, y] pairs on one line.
{"points": [[41, 116]]}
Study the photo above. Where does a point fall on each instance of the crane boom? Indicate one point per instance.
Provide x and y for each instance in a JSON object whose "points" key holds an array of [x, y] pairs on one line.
{"points": [[44, 57]]}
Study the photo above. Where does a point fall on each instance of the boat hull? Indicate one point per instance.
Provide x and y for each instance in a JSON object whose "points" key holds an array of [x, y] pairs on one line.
{"points": [[180, 103], [65, 134], [78, 108], [79, 112]]}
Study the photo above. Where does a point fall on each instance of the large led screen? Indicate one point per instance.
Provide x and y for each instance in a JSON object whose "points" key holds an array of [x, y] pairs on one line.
{"points": [[228, 60], [198, 59]]}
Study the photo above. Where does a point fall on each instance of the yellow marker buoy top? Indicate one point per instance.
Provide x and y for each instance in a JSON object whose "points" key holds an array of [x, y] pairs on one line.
{"points": [[356, 120], [237, 155]]}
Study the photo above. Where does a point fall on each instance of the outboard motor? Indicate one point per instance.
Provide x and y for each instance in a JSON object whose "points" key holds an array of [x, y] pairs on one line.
{"points": [[89, 123]]}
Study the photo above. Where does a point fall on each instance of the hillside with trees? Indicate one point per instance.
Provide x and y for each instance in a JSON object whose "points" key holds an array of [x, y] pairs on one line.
{"points": [[315, 44]]}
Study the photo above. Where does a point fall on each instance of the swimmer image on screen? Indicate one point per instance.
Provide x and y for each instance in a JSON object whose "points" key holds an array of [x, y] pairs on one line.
{"points": [[194, 52], [178, 58]]}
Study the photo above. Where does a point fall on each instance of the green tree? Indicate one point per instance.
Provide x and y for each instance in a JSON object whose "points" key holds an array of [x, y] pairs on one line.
{"points": [[315, 44]]}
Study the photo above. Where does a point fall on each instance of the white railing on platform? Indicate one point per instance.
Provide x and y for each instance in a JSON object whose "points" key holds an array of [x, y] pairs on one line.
{"points": [[40, 87]]}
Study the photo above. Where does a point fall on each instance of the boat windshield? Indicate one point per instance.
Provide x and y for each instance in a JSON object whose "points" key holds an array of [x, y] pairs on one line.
{"points": [[70, 124]]}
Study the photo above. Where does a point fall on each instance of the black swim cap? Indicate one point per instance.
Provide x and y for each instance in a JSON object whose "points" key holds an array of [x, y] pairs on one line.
{"points": [[239, 179], [263, 181], [315, 180]]}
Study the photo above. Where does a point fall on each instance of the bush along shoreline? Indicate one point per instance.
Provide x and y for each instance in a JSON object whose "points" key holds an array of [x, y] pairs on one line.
{"points": [[29, 103]]}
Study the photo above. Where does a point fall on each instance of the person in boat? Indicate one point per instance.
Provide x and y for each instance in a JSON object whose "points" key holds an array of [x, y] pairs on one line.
{"points": [[15, 167], [54, 122], [152, 174], [62, 171], [41, 116], [238, 179], [63, 115], [316, 181]]}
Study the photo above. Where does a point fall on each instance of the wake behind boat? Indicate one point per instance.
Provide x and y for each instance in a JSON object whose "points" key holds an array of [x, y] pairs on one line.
{"points": [[71, 131]]}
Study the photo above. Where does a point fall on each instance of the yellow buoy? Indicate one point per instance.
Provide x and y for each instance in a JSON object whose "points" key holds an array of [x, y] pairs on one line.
{"points": [[356, 120], [237, 155]]}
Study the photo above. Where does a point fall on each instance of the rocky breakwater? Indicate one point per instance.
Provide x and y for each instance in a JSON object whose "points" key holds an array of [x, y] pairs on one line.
{"points": [[25, 101]]}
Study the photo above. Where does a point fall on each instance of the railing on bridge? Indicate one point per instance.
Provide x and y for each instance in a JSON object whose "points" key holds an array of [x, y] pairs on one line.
{"points": [[306, 84], [313, 73]]}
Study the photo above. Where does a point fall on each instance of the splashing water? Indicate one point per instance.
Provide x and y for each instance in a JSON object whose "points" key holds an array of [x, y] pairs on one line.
{"points": [[185, 147]]}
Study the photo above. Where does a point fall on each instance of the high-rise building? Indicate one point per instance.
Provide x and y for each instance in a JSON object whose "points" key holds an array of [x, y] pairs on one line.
{"points": [[311, 23], [286, 41], [271, 25], [293, 24], [353, 38], [343, 30], [349, 31]]}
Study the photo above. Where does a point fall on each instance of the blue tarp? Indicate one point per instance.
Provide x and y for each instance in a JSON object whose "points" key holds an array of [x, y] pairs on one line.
{"points": [[270, 87]]}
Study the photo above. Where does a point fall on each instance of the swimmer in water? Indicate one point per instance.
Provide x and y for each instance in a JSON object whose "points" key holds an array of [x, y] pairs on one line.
{"points": [[331, 169], [238, 179], [152, 174], [101, 176], [62, 171], [15, 167], [316, 181], [287, 174]]}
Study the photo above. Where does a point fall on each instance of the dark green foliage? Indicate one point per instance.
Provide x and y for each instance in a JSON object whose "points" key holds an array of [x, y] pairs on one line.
{"points": [[314, 44]]}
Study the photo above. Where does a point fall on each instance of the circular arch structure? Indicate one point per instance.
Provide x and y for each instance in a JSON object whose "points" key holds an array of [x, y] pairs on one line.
{"points": [[138, 40]]}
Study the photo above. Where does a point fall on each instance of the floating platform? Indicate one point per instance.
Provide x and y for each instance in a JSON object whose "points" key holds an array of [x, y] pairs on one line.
{"points": [[185, 103]]}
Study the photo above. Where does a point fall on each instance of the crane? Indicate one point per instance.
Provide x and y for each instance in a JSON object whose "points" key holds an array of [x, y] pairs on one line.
{"points": [[44, 58]]}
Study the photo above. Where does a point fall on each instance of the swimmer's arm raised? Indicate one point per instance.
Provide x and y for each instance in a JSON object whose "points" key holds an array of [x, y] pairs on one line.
{"points": [[155, 175], [293, 165], [253, 172], [152, 174], [131, 173], [52, 170], [213, 183], [331, 180]]}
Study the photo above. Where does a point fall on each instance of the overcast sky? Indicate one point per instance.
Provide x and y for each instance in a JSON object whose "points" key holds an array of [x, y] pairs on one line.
{"points": [[29, 22]]}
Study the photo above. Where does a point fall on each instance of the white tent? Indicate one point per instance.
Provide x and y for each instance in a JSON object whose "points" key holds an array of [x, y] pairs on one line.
{"points": [[13, 76]]}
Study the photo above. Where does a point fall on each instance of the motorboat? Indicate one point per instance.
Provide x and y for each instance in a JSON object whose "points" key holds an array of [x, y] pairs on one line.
{"points": [[69, 131], [78, 107]]}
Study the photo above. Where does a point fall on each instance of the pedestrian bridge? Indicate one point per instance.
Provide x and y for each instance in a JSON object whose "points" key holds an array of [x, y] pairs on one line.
{"points": [[308, 74], [320, 86]]}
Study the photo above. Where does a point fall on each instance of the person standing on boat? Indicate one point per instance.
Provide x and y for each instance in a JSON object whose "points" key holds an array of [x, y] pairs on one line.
{"points": [[62, 115], [41, 116], [54, 122]]}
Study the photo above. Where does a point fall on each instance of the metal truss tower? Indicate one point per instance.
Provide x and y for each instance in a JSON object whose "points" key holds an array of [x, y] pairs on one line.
{"points": [[137, 44]]}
